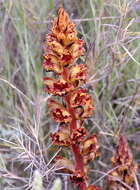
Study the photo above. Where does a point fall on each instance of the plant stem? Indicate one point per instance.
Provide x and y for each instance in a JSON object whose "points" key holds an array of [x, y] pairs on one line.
{"points": [[75, 148]]}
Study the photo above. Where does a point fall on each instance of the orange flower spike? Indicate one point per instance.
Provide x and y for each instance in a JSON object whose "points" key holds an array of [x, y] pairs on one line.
{"points": [[127, 168], [62, 50], [123, 154]]}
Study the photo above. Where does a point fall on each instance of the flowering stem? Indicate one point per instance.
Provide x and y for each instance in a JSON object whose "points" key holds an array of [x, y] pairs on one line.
{"points": [[61, 53], [75, 148]]}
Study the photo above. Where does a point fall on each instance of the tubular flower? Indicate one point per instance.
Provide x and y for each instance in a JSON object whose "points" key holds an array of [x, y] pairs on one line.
{"points": [[81, 101], [51, 63], [62, 50], [57, 87], [78, 134], [56, 47], [90, 145], [126, 167], [59, 113], [77, 49], [78, 73], [89, 148]]}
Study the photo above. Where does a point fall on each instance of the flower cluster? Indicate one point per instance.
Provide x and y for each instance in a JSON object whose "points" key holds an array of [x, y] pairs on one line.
{"points": [[123, 177], [62, 50]]}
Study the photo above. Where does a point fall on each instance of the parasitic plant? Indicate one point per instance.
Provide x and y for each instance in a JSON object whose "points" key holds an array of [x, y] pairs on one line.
{"points": [[73, 104], [123, 176]]}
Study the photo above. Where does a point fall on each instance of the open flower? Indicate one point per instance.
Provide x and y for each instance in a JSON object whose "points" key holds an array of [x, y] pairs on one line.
{"points": [[62, 136], [51, 63], [78, 73], [81, 101], [78, 134], [56, 46], [90, 145], [57, 87], [77, 49], [59, 112], [89, 148]]}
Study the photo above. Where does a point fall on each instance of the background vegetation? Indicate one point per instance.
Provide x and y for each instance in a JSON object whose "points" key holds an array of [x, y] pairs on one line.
{"points": [[111, 30]]}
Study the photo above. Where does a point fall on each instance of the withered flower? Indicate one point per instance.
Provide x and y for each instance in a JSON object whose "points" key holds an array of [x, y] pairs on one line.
{"points": [[62, 136], [126, 169], [64, 165]]}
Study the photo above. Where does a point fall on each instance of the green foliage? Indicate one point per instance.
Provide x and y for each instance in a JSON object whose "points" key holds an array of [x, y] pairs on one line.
{"points": [[37, 182], [57, 185]]}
